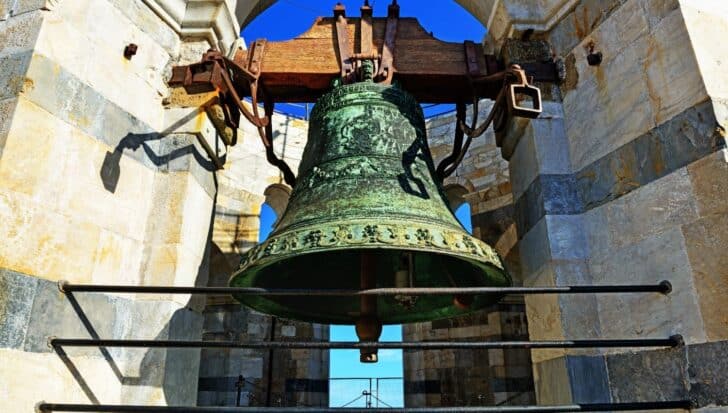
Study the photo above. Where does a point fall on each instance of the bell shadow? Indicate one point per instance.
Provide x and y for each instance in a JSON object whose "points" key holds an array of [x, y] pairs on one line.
{"points": [[110, 172]]}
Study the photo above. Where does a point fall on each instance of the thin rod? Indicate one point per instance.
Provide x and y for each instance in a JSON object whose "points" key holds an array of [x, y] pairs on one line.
{"points": [[673, 341], [664, 287], [596, 407]]}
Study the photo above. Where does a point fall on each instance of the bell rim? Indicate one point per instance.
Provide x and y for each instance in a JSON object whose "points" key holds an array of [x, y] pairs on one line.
{"points": [[262, 304]]}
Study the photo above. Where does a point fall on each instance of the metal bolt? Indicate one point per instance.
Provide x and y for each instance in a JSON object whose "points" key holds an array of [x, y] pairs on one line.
{"points": [[594, 59], [130, 50]]}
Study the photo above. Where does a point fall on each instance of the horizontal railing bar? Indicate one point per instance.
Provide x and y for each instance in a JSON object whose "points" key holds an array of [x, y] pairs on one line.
{"points": [[673, 341], [594, 407], [664, 287]]}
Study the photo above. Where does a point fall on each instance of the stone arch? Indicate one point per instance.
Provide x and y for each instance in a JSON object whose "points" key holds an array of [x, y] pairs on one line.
{"points": [[247, 11]]}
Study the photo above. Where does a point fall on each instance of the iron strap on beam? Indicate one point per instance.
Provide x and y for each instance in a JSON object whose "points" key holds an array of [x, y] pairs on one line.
{"points": [[673, 341], [595, 407], [664, 287]]}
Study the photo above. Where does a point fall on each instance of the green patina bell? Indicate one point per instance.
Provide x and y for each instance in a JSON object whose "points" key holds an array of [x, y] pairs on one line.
{"points": [[366, 212]]}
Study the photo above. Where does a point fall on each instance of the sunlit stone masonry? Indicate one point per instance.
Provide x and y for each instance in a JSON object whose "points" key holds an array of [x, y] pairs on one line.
{"points": [[109, 176]]}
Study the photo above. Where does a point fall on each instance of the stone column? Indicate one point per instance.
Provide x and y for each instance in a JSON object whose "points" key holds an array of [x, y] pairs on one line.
{"points": [[620, 182], [99, 184]]}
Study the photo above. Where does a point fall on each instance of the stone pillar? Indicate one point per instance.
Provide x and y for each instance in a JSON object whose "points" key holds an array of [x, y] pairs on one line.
{"points": [[619, 182], [100, 184]]}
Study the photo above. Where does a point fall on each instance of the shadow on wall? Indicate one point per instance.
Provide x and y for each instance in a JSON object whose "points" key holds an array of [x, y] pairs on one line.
{"points": [[174, 371], [111, 170]]}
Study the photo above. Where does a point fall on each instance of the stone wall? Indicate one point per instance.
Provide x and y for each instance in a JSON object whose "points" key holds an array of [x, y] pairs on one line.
{"points": [[108, 177], [617, 184], [89, 193], [474, 377]]}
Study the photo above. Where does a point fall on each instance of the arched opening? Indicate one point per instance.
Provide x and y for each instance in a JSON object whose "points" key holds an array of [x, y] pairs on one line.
{"points": [[455, 194], [462, 12], [268, 218], [276, 200], [464, 217], [351, 383]]}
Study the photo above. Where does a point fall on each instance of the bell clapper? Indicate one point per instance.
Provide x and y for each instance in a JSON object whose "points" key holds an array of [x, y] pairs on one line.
{"points": [[403, 278], [368, 327]]}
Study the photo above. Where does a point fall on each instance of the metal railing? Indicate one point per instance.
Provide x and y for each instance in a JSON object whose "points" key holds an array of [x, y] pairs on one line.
{"points": [[661, 288], [366, 392]]}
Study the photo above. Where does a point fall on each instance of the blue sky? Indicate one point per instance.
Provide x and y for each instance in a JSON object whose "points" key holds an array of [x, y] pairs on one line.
{"points": [[285, 20], [288, 18], [345, 363]]}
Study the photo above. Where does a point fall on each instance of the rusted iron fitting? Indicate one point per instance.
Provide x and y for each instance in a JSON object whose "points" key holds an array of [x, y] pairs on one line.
{"points": [[130, 50], [594, 58]]}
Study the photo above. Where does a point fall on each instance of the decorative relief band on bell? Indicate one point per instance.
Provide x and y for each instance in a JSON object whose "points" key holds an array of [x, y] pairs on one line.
{"points": [[355, 167], [384, 235]]}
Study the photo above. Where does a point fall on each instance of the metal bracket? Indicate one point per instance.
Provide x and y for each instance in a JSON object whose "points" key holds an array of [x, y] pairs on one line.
{"points": [[521, 87], [386, 65], [217, 72], [342, 40], [507, 103]]}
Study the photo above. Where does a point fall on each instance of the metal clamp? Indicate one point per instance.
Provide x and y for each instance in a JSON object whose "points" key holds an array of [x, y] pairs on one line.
{"points": [[521, 87]]}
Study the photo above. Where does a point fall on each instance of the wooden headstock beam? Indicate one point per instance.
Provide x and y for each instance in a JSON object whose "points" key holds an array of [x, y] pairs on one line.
{"points": [[301, 69]]}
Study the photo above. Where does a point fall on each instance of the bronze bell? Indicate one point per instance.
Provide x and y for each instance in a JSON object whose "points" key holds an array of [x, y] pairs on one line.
{"points": [[368, 212]]}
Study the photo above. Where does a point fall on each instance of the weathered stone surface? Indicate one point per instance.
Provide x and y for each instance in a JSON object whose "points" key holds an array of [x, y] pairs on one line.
{"points": [[672, 145], [150, 23], [541, 150], [663, 88], [649, 375], [13, 69], [27, 378], [674, 82], [67, 97], [665, 203], [567, 240], [104, 32], [544, 316], [536, 242], [19, 34], [709, 179], [7, 110], [706, 240], [588, 378], [551, 379], [705, 23], [54, 315], [660, 257], [32, 5], [708, 373], [547, 195], [16, 301]]}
